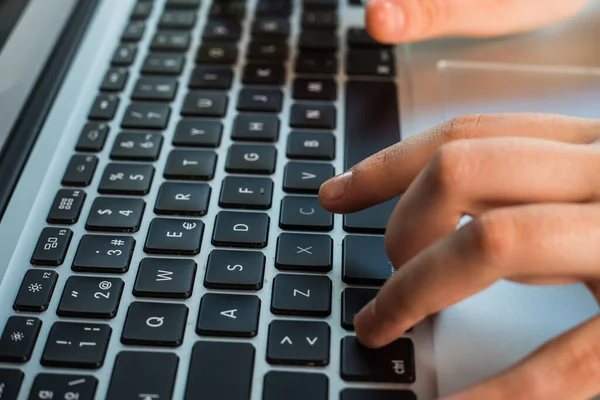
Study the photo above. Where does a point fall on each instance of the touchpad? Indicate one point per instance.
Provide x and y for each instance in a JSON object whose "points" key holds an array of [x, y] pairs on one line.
{"points": [[496, 328], [473, 87]]}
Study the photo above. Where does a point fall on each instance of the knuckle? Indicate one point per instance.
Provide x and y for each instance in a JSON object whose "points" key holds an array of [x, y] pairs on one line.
{"points": [[450, 168], [582, 360], [462, 127], [493, 238]]}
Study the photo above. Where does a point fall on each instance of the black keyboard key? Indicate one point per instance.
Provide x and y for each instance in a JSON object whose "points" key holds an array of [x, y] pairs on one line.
{"points": [[315, 89], [115, 214], [155, 324], [243, 192], [307, 253], [198, 133], [92, 137], [60, 386], [274, 50], [320, 4], [174, 19], [133, 31], [262, 100], [211, 361], [133, 179], [143, 376], [353, 300], [205, 104], [124, 55], [271, 28], [360, 38], [104, 253], [174, 236], [394, 363], [363, 117], [114, 80], [179, 198], [295, 386], [183, 4], [217, 53], [66, 207], [373, 394], [80, 171], [10, 382], [155, 88], [313, 116], [311, 146], [251, 159], [165, 277], [318, 19], [318, 40], [191, 165], [36, 290], [370, 62], [141, 10], [165, 64], [264, 74], [233, 315], [234, 269], [364, 260], [226, 30], [304, 213], [76, 345], [268, 8], [104, 107], [316, 63], [89, 297], [228, 10], [306, 177], [52, 246], [303, 295], [175, 41], [18, 338], [256, 127], [146, 116], [241, 229], [207, 77], [134, 146], [298, 343]]}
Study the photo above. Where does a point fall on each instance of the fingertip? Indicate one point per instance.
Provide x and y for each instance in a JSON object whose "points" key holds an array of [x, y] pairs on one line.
{"points": [[385, 20], [333, 191], [366, 327]]}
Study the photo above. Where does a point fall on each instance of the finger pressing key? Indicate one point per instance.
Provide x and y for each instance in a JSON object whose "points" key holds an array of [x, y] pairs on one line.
{"points": [[553, 240], [388, 173]]}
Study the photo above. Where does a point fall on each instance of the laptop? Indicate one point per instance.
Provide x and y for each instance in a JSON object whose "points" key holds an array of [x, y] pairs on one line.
{"points": [[160, 233]]}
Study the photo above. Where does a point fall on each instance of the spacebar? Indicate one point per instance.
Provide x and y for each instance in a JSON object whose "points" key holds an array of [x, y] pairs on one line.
{"points": [[372, 124]]}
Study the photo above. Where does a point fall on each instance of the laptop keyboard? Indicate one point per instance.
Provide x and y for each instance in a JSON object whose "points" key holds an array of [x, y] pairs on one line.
{"points": [[175, 255]]}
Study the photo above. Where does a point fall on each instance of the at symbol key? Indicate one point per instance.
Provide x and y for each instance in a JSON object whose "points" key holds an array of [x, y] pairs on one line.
{"points": [[90, 297]]}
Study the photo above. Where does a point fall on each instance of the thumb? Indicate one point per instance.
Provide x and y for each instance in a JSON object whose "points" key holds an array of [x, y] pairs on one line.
{"points": [[395, 21]]}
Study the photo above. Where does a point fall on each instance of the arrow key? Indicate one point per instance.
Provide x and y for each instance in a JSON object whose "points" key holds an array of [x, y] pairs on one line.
{"points": [[298, 343], [306, 177], [228, 315]]}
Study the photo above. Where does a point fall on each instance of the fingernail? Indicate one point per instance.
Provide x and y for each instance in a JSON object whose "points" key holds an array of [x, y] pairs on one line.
{"points": [[387, 16], [336, 186]]}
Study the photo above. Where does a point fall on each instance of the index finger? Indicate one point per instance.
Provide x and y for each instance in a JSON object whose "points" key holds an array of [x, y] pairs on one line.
{"points": [[388, 173]]}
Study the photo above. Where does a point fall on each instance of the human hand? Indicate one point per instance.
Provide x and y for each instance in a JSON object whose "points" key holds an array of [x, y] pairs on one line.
{"points": [[531, 182], [395, 21]]}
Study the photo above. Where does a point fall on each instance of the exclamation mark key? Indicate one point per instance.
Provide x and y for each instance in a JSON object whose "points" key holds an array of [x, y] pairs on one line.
{"points": [[76, 345]]}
